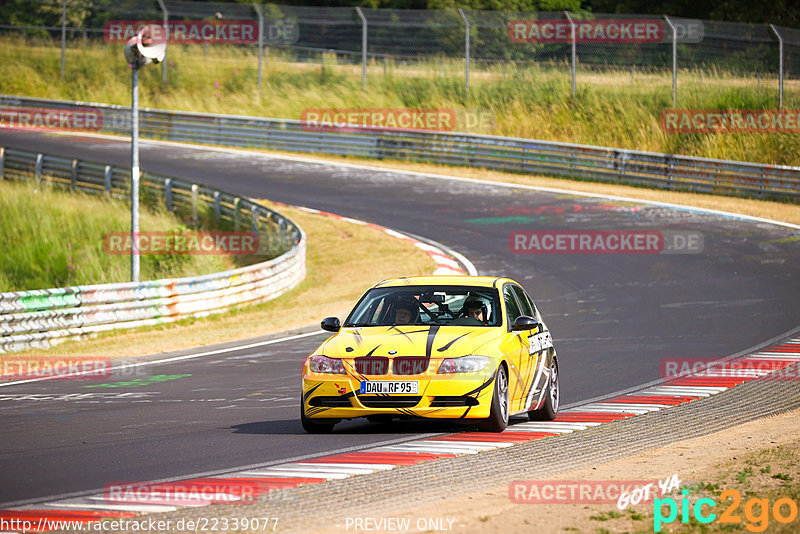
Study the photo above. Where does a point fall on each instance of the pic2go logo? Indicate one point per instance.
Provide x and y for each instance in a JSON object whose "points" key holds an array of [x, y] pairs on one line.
{"points": [[756, 511]]}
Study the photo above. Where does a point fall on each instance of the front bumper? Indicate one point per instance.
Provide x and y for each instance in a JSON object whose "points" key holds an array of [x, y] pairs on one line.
{"points": [[440, 396]]}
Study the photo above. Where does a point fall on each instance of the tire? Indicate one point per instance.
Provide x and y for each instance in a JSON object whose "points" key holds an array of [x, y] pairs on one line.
{"points": [[549, 409], [498, 416], [316, 426]]}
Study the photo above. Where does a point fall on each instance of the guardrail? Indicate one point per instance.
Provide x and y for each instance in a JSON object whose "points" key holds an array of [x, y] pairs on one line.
{"points": [[40, 318], [665, 171]]}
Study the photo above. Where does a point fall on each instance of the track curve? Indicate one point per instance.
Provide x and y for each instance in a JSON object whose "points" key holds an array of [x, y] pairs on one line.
{"points": [[614, 317]]}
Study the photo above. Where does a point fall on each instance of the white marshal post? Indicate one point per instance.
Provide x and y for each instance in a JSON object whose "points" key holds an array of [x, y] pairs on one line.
{"points": [[149, 45]]}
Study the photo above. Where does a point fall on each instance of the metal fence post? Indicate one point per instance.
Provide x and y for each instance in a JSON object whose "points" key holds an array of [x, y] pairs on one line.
{"points": [[63, 36], [674, 61], [217, 207], [780, 65], [466, 49], [107, 179], [168, 193], [574, 51], [260, 41], [166, 36], [236, 213], [38, 168], [363, 48], [195, 191], [134, 173], [254, 219], [2, 161], [74, 181]]}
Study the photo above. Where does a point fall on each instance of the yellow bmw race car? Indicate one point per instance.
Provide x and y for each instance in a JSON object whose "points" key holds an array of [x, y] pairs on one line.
{"points": [[449, 347]]}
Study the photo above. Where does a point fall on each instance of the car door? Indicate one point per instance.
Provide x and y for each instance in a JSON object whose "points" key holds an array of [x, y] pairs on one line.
{"points": [[515, 349], [535, 364]]}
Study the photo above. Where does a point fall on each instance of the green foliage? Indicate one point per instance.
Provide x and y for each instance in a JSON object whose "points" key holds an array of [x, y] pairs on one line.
{"points": [[742, 475], [56, 239], [605, 516]]}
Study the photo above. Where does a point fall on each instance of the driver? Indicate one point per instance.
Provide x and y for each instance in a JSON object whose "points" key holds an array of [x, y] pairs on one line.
{"points": [[475, 308], [404, 311]]}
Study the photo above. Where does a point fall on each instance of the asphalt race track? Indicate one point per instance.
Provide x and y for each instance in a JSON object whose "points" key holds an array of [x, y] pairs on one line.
{"points": [[614, 318]]}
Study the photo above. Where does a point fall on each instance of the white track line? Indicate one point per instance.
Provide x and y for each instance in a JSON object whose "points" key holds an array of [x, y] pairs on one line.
{"points": [[299, 473], [427, 449], [475, 444], [177, 358], [344, 468], [139, 507]]}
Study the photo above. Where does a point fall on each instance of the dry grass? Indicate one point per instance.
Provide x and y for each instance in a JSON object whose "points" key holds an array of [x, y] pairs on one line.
{"points": [[343, 260], [614, 108]]}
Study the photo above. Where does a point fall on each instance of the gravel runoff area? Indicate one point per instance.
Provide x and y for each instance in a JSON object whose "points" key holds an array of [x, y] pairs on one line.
{"points": [[325, 507]]}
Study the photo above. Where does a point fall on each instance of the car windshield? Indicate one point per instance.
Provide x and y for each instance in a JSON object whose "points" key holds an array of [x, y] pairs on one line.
{"points": [[427, 305]]}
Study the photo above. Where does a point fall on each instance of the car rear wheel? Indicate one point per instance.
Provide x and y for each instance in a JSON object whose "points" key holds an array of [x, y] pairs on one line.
{"points": [[316, 426], [498, 416], [549, 409]]}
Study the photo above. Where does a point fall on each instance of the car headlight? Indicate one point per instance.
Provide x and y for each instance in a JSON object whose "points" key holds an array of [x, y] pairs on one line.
{"points": [[323, 364], [465, 364]]}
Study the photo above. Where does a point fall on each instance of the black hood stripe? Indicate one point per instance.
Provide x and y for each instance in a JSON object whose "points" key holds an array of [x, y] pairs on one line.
{"points": [[357, 337], [429, 344], [449, 343], [400, 332]]}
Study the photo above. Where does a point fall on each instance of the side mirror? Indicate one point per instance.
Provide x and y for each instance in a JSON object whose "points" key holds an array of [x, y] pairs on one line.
{"points": [[331, 324], [524, 322]]}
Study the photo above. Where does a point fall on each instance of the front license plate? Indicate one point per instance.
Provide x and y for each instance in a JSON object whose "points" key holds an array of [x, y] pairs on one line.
{"points": [[390, 387]]}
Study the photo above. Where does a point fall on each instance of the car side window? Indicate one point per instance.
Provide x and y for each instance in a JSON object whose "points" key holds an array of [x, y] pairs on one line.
{"points": [[525, 305], [512, 308]]}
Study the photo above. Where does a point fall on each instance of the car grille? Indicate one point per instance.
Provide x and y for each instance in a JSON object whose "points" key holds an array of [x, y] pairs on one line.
{"points": [[330, 402], [374, 365], [443, 401], [410, 365], [374, 401]]}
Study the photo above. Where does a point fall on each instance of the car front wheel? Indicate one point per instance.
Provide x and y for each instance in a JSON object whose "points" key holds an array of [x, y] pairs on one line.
{"points": [[498, 416], [316, 426]]}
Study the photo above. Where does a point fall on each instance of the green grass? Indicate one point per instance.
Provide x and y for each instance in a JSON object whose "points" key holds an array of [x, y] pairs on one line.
{"points": [[605, 516], [54, 238], [611, 109]]}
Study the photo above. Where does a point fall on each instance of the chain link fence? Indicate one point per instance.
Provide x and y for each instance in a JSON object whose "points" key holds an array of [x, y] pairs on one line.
{"points": [[484, 46]]}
